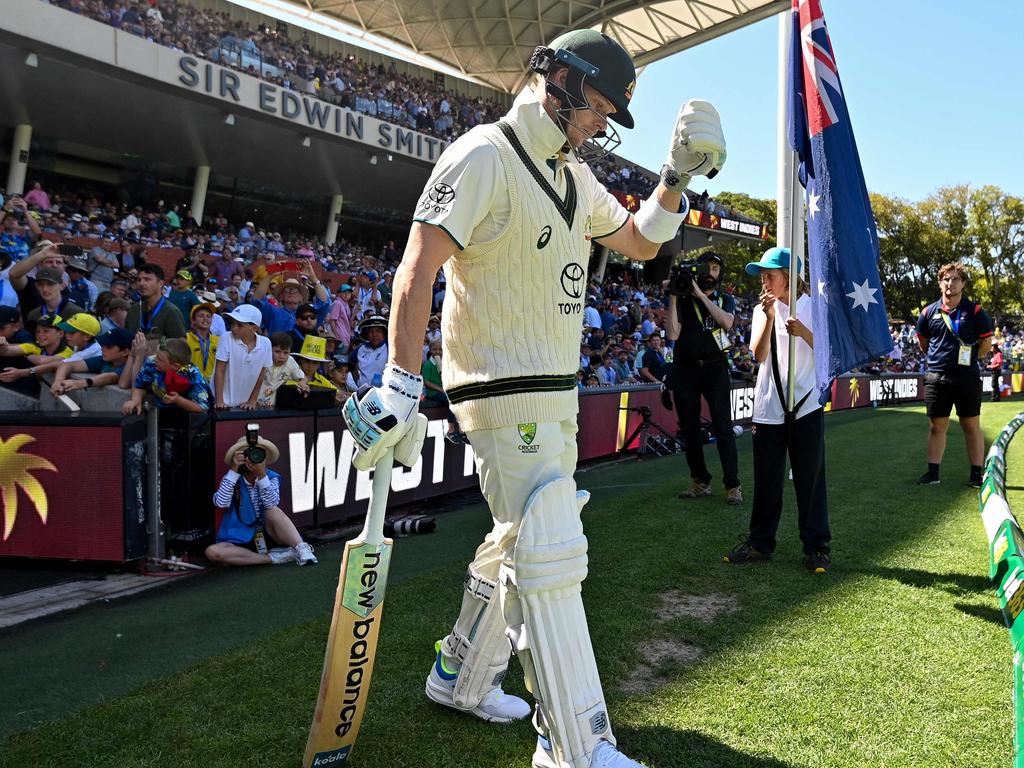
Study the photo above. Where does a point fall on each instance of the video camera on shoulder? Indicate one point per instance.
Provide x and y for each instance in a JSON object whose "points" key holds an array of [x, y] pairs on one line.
{"points": [[253, 451], [683, 275]]}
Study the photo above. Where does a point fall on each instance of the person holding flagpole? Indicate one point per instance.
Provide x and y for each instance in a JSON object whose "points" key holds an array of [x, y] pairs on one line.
{"points": [[779, 430]]}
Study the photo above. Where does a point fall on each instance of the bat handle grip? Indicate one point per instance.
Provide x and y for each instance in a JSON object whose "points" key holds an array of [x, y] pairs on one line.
{"points": [[373, 528]]}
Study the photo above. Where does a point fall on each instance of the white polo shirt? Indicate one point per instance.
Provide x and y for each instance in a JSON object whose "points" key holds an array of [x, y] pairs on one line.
{"points": [[243, 366]]}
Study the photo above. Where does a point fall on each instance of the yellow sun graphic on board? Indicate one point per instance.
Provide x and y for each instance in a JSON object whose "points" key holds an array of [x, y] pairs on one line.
{"points": [[16, 469], [854, 391]]}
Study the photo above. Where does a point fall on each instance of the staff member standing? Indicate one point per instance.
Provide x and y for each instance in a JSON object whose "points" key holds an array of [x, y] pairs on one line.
{"points": [[954, 332], [700, 325], [776, 430]]}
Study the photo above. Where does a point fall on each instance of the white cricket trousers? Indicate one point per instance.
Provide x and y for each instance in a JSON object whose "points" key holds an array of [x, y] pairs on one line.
{"points": [[511, 466]]}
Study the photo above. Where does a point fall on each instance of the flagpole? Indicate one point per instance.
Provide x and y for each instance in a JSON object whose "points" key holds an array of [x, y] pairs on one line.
{"points": [[789, 202]]}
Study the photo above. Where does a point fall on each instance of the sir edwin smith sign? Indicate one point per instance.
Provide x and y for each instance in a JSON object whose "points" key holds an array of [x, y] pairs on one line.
{"points": [[304, 109]]}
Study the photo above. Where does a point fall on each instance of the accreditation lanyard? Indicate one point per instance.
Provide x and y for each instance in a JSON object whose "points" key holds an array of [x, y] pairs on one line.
{"points": [[204, 349], [147, 326], [964, 356], [721, 337]]}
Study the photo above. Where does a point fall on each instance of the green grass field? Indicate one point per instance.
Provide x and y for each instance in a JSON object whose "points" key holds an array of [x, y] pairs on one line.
{"points": [[897, 657]]}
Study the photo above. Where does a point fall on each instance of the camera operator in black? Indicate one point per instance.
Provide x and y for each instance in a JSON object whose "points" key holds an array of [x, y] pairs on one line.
{"points": [[698, 319]]}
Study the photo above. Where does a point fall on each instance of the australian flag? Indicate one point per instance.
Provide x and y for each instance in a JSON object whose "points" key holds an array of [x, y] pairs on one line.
{"points": [[849, 321]]}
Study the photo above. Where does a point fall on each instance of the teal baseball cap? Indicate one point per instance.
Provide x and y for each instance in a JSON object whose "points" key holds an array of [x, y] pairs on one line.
{"points": [[773, 258]]}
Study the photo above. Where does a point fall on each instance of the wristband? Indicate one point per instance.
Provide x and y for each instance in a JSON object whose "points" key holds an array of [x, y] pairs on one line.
{"points": [[88, 383], [655, 223]]}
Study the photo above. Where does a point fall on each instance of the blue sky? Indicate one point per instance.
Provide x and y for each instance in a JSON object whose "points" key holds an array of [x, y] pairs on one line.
{"points": [[934, 91]]}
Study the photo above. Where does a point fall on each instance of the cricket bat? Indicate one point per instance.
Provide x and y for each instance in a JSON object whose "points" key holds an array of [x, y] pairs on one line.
{"points": [[352, 642]]}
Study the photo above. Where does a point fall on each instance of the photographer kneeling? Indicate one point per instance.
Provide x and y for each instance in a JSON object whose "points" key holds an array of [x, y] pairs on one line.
{"points": [[249, 495], [698, 319]]}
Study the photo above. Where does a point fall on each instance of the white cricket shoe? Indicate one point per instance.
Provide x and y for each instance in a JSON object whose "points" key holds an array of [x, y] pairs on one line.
{"points": [[495, 707], [282, 555], [304, 554], [605, 756]]}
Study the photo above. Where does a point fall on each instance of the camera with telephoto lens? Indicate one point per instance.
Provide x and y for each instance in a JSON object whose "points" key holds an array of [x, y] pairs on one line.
{"points": [[253, 451], [685, 274]]}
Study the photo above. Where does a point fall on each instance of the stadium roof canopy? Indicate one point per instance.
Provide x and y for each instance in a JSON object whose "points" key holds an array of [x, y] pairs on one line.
{"points": [[491, 41]]}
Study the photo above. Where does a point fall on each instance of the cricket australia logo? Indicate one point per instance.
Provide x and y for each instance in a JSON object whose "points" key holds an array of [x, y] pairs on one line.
{"points": [[528, 433]]}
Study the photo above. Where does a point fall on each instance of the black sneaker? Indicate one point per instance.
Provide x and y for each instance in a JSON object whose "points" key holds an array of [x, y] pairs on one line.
{"points": [[974, 482], [745, 552], [817, 562], [927, 479]]}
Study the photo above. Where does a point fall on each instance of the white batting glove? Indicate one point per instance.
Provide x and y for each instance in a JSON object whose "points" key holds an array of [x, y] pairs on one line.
{"points": [[387, 416], [698, 144]]}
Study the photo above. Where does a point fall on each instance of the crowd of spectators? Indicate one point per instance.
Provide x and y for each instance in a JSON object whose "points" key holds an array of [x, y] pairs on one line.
{"points": [[271, 54], [907, 357], [370, 88], [622, 320], [78, 285], [226, 266]]}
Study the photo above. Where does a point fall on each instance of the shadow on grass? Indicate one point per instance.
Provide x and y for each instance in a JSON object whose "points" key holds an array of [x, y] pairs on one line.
{"points": [[954, 583], [985, 613], [689, 748]]}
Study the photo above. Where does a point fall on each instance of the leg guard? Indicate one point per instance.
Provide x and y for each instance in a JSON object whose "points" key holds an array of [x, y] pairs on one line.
{"points": [[482, 649], [542, 604]]}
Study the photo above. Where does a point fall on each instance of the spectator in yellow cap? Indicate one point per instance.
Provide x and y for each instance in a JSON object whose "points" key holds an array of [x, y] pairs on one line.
{"points": [[80, 332], [49, 345], [310, 358], [182, 296]]}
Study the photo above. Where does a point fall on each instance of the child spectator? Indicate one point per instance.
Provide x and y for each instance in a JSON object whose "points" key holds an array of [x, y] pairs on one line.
{"points": [[107, 368], [170, 376], [49, 345], [182, 296], [284, 369], [201, 340], [309, 359], [244, 357]]}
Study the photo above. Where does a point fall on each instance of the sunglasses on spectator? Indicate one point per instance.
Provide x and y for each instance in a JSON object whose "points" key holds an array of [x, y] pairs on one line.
{"points": [[307, 317]]}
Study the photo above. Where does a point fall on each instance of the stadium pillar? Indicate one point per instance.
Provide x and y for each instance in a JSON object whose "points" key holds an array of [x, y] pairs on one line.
{"points": [[202, 181], [19, 159], [333, 218]]}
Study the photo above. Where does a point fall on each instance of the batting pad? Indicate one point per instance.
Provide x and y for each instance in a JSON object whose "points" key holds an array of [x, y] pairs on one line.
{"points": [[542, 603], [483, 650]]}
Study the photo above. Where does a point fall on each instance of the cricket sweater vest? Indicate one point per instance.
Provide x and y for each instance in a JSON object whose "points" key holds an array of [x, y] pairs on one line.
{"points": [[513, 318]]}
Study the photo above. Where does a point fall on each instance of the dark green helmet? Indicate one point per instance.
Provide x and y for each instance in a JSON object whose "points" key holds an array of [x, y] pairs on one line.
{"points": [[596, 59]]}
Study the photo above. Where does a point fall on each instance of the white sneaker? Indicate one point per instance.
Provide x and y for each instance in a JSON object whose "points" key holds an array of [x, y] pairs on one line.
{"points": [[605, 756], [282, 555], [495, 707], [304, 554]]}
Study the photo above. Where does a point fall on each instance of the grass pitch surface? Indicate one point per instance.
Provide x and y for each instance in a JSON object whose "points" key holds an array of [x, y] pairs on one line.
{"points": [[897, 657]]}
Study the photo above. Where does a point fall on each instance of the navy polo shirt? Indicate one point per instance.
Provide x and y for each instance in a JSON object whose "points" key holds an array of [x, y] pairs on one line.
{"points": [[971, 324]]}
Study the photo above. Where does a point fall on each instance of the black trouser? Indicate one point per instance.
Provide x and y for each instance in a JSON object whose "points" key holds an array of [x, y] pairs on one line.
{"points": [[689, 383], [805, 442], [996, 376]]}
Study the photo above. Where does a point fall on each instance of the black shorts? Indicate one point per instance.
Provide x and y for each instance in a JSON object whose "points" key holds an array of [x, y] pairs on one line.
{"points": [[942, 391]]}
